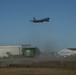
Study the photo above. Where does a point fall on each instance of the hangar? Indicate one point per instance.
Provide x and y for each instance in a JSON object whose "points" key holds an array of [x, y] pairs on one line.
{"points": [[18, 50], [67, 52], [14, 50]]}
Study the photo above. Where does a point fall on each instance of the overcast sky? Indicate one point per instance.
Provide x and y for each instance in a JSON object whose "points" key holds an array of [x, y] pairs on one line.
{"points": [[15, 27]]}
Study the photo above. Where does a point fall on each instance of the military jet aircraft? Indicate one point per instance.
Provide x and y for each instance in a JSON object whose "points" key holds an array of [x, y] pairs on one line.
{"points": [[40, 20]]}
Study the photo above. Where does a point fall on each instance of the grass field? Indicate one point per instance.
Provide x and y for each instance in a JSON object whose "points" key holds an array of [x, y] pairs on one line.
{"points": [[42, 68], [36, 71]]}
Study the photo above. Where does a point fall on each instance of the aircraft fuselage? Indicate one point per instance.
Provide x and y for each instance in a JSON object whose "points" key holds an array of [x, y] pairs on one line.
{"points": [[41, 20]]}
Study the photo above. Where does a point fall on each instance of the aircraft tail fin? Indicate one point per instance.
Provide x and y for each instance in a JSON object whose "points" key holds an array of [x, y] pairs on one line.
{"points": [[34, 18]]}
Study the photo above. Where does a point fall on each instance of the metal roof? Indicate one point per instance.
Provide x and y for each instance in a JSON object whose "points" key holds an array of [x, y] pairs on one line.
{"points": [[71, 48]]}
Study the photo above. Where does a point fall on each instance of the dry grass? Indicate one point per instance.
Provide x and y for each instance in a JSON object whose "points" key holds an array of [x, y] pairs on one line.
{"points": [[36, 71], [42, 68]]}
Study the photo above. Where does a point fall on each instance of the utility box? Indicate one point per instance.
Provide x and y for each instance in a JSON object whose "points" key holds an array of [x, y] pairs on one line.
{"points": [[29, 52]]}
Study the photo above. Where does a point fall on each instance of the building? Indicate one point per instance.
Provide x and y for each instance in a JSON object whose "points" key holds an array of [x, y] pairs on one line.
{"points": [[16, 50], [67, 52]]}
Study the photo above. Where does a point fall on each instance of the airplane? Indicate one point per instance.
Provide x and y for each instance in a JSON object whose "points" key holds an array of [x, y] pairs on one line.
{"points": [[41, 20]]}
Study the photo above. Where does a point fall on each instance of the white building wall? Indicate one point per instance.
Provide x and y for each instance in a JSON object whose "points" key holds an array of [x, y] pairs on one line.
{"points": [[15, 50], [65, 52], [74, 52]]}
